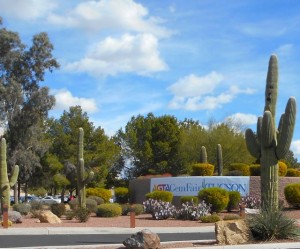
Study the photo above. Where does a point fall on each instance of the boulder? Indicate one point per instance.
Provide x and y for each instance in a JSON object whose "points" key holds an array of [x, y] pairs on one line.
{"points": [[144, 239], [47, 216], [232, 232]]}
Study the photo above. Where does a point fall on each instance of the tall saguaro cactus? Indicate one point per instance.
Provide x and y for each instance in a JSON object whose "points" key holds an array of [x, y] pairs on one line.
{"points": [[82, 180], [203, 158], [219, 160], [6, 183], [270, 144]]}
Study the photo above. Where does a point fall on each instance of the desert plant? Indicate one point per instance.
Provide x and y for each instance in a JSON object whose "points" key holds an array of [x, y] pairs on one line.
{"points": [[192, 211], [292, 194], [98, 199], [202, 169], [137, 208], [160, 195], [103, 193], [121, 195], [231, 217], [210, 218], [293, 172], [15, 216], [254, 169], [272, 224], [219, 160], [218, 198], [282, 168], [242, 167], [269, 144], [234, 199], [109, 210], [73, 204], [36, 205], [126, 208], [203, 158], [184, 199], [160, 210], [22, 208], [82, 214], [91, 205], [58, 209], [251, 201], [70, 214]]}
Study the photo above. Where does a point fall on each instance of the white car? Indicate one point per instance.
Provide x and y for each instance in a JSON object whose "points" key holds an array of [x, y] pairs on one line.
{"points": [[50, 200]]}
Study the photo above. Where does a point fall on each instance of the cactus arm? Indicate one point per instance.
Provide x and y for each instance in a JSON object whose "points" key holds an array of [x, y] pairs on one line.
{"points": [[203, 155], [268, 130], [258, 129], [252, 145], [88, 178], [219, 160], [286, 133], [14, 176]]}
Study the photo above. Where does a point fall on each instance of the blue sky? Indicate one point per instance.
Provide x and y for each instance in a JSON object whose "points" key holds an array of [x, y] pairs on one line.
{"points": [[198, 59]]}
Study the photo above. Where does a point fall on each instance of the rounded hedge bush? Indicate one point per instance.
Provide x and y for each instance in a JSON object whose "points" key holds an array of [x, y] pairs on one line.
{"points": [[282, 168], [234, 199], [292, 194], [184, 199], [125, 208], [91, 205], [22, 208], [160, 195], [109, 210], [217, 197], [98, 199], [242, 167], [254, 169], [202, 169], [58, 209], [293, 172], [121, 195], [210, 218], [105, 194]]}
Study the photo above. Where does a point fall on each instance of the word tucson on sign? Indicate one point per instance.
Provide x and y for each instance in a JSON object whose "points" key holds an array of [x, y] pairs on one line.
{"points": [[191, 185]]}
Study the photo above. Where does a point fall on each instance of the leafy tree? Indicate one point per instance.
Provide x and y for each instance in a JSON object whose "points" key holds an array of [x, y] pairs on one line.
{"points": [[290, 160]]}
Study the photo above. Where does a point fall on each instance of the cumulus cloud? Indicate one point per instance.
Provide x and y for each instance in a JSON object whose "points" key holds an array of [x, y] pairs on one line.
{"points": [[125, 15], [198, 93], [130, 53], [27, 9], [285, 49], [243, 118], [65, 99]]}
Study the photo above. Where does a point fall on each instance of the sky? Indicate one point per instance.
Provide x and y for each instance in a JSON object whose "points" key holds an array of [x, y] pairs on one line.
{"points": [[198, 59]]}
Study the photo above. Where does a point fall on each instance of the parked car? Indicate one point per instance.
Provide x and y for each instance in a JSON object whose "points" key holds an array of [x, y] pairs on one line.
{"points": [[50, 200]]}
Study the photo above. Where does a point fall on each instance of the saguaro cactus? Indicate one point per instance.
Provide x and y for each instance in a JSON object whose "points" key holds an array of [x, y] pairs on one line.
{"points": [[219, 160], [5, 183], [268, 144], [81, 179], [203, 158]]}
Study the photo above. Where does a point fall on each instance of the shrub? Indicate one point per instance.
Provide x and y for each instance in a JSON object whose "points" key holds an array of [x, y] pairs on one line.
{"points": [[160, 195], [109, 210], [234, 199], [254, 169], [91, 205], [138, 208], [15, 216], [70, 214], [125, 208], [184, 199], [272, 224], [218, 198], [234, 173], [282, 168], [36, 205], [251, 201], [73, 204], [210, 218], [22, 208], [202, 169], [105, 194], [231, 217], [160, 210], [293, 172], [244, 168], [121, 195], [58, 209], [292, 194], [82, 214], [192, 211], [98, 199]]}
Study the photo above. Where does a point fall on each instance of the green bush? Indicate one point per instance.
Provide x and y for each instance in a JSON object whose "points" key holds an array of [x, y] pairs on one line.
{"points": [[185, 199], [160, 195], [82, 214], [38, 191], [292, 194], [73, 204], [125, 208], [98, 199], [36, 205], [234, 173], [282, 168], [105, 194], [91, 205], [293, 172], [244, 168], [234, 199], [121, 195], [58, 209], [22, 208], [70, 214], [272, 224], [217, 197], [202, 169], [138, 208], [254, 169], [210, 218], [109, 210], [231, 217]]}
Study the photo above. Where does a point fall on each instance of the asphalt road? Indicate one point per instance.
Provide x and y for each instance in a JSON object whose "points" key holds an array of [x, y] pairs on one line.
{"points": [[10, 241]]}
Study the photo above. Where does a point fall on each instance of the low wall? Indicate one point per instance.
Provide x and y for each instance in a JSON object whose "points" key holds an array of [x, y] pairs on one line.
{"points": [[140, 187]]}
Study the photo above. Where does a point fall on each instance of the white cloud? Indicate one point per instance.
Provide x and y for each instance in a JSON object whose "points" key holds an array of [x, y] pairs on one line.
{"points": [[243, 118], [295, 147], [137, 54], [125, 15], [285, 49], [64, 100], [27, 9], [198, 93]]}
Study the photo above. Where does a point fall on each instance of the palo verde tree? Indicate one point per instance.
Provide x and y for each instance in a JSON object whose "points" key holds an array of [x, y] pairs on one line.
{"points": [[269, 144], [23, 103]]}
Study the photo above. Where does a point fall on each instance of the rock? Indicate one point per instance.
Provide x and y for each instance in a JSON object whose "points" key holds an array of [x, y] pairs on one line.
{"points": [[15, 216], [232, 232], [47, 216], [144, 239]]}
